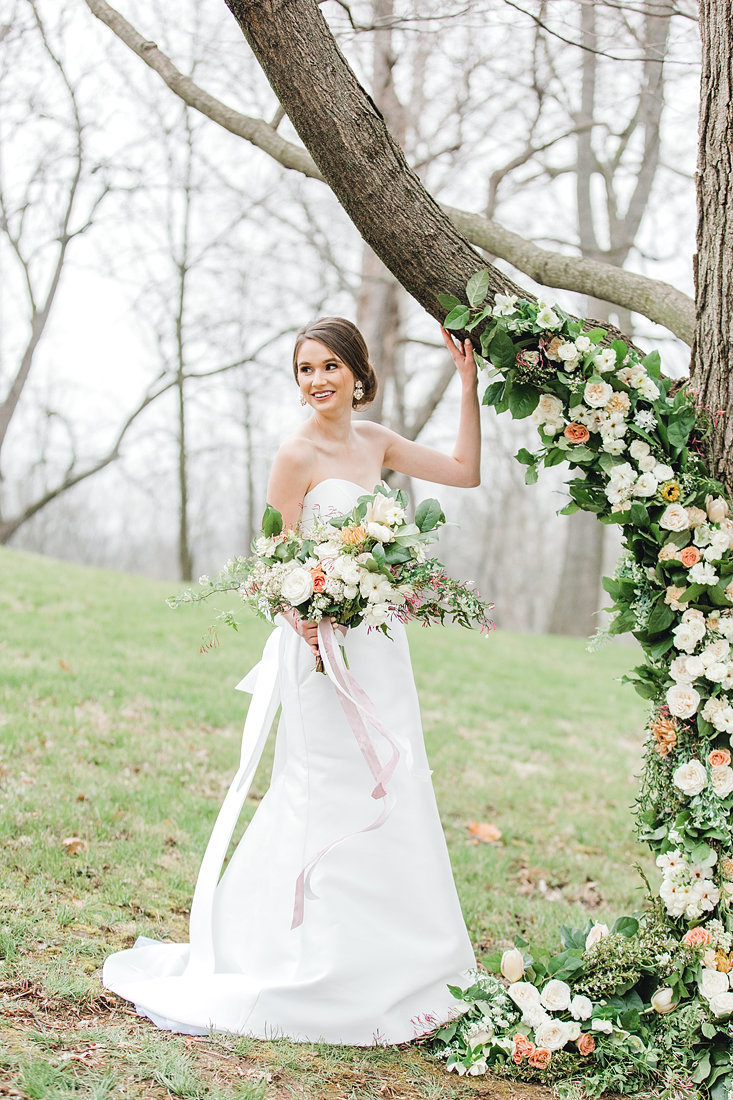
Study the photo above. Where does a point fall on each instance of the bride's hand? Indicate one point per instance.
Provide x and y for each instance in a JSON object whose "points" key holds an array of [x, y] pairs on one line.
{"points": [[306, 629], [462, 355]]}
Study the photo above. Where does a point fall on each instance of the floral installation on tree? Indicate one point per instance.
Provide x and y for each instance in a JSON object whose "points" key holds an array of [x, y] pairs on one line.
{"points": [[365, 566], [647, 1003]]}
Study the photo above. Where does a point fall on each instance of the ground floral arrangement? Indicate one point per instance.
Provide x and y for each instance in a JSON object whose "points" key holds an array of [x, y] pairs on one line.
{"points": [[647, 1003]]}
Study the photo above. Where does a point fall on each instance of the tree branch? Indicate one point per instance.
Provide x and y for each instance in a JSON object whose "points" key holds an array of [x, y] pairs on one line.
{"points": [[653, 298]]}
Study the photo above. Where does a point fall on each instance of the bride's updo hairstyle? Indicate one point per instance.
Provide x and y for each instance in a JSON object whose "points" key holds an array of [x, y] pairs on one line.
{"points": [[344, 340]]}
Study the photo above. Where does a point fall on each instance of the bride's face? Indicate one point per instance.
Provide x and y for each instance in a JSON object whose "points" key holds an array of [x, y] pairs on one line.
{"points": [[325, 380]]}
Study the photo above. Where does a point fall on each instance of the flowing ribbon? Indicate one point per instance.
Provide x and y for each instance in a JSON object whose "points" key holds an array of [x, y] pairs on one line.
{"points": [[263, 682], [359, 710]]}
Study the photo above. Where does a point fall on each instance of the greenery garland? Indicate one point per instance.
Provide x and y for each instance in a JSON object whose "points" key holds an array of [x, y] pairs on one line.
{"points": [[646, 1003]]}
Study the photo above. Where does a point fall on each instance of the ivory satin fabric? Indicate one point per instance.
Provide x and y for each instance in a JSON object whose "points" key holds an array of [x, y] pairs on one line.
{"points": [[384, 934]]}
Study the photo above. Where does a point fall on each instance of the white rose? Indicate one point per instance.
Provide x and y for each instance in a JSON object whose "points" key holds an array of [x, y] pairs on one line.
{"points": [[695, 666], [721, 1004], [662, 472], [623, 474], [715, 651], [679, 671], [567, 352], [534, 1015], [716, 672], [602, 1025], [583, 344], [549, 408], [524, 995], [674, 518], [647, 463], [639, 449], [690, 778], [351, 591], [297, 586], [712, 983], [682, 700], [721, 780], [512, 965], [646, 486], [581, 1008], [555, 996], [552, 1035], [380, 532], [723, 720], [663, 1000], [597, 932], [348, 570]]}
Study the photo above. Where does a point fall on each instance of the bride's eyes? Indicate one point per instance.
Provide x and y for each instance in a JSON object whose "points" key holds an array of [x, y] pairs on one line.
{"points": [[305, 368]]}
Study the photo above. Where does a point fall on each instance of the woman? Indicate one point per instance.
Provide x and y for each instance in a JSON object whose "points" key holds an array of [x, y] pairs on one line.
{"points": [[329, 923]]}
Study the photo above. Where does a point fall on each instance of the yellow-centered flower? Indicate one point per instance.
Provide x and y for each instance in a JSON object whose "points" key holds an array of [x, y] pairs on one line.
{"points": [[670, 491]]}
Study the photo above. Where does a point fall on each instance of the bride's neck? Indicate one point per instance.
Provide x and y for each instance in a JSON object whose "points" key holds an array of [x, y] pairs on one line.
{"points": [[333, 429]]}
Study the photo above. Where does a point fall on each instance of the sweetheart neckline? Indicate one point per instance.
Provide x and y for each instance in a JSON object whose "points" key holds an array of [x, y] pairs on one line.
{"points": [[343, 480]]}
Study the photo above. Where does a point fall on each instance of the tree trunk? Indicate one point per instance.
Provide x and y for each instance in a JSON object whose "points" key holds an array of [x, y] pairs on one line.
{"points": [[357, 155], [712, 349]]}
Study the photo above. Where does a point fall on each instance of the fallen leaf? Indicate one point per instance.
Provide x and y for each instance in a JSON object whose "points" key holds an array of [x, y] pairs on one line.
{"points": [[485, 831], [75, 844]]}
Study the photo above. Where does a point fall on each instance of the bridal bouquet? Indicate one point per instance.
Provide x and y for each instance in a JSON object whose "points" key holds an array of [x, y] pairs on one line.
{"points": [[364, 566]]}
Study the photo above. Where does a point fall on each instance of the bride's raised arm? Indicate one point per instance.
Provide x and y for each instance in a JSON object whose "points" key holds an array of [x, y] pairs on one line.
{"points": [[463, 467]]}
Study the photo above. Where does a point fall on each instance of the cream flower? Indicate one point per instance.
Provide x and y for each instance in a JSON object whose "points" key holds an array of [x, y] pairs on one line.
{"points": [[672, 597], [605, 361], [512, 965], [703, 573], [524, 995], [639, 449], [547, 318], [596, 394], [690, 778], [380, 532], [646, 486], [663, 1000], [721, 1004], [555, 996], [581, 1008], [552, 1035], [682, 700], [674, 518], [721, 780], [597, 932], [716, 508], [384, 510], [297, 586], [712, 983]]}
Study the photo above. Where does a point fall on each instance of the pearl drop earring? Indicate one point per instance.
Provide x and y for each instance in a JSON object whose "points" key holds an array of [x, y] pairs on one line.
{"points": [[303, 400]]}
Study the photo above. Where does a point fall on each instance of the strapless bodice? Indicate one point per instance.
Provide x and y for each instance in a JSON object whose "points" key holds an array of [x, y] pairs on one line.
{"points": [[332, 496]]}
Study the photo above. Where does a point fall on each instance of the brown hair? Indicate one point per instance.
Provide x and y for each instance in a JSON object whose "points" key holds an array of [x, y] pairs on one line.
{"points": [[344, 340]]}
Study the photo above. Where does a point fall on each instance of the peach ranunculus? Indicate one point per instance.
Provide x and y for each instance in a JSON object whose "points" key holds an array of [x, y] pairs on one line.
{"points": [[352, 536], [577, 433], [690, 556], [540, 1058], [585, 1043], [718, 758], [618, 402], [696, 937]]}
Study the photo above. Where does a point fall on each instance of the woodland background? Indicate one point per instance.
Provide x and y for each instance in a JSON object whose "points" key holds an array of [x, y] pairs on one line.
{"points": [[154, 268]]}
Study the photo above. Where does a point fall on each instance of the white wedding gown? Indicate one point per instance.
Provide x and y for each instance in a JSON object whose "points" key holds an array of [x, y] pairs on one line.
{"points": [[382, 933]]}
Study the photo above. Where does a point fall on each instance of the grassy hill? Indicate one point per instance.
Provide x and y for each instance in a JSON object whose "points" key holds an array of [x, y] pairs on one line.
{"points": [[116, 731]]}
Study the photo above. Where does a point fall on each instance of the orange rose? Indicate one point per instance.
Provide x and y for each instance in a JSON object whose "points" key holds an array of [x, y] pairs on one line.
{"points": [[517, 1056], [319, 580], [586, 1044], [716, 759], [694, 937], [540, 1058], [690, 556], [577, 433]]}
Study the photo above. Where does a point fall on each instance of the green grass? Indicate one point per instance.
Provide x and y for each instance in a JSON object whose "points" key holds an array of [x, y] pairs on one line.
{"points": [[116, 730]]}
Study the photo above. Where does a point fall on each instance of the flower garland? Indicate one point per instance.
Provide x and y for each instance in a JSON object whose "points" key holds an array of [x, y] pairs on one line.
{"points": [[661, 1006]]}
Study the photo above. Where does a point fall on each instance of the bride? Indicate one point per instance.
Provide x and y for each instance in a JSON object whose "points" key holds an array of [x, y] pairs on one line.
{"points": [[328, 924]]}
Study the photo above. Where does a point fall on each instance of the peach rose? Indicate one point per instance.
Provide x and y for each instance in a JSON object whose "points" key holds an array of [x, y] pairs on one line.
{"points": [[523, 1045], [319, 579], [695, 937], [577, 433], [696, 516], [716, 759], [586, 1044], [690, 556], [540, 1058]]}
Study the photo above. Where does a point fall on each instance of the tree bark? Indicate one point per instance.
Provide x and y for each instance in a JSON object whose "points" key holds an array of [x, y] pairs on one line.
{"points": [[712, 350], [358, 157]]}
